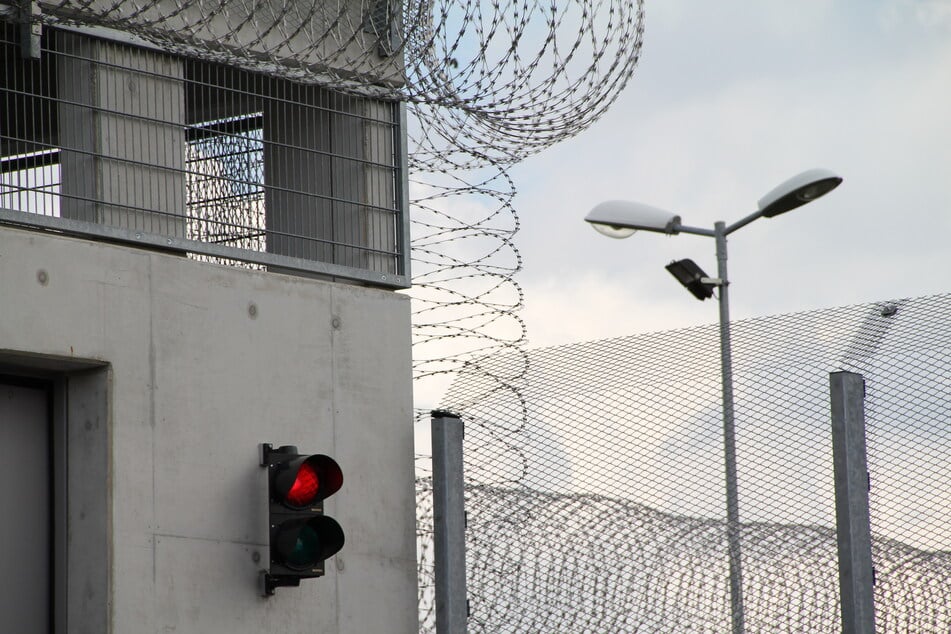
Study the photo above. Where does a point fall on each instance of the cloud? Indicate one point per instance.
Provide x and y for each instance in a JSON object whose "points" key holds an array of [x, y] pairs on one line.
{"points": [[931, 14]]}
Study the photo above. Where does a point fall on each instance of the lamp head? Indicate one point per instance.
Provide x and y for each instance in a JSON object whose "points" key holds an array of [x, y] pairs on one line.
{"points": [[797, 191], [621, 218], [692, 277]]}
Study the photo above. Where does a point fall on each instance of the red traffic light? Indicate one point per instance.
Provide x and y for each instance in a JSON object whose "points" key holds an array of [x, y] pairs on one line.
{"points": [[306, 480], [305, 486]]}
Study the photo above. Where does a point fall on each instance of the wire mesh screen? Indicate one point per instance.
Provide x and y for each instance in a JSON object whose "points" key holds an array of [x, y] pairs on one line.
{"points": [[595, 486], [140, 144], [224, 167]]}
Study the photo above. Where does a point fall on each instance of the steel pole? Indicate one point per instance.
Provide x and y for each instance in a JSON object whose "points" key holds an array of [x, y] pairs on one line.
{"points": [[449, 524], [729, 438], [856, 574]]}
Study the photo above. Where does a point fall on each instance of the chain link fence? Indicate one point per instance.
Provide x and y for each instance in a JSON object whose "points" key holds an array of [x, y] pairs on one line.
{"points": [[595, 486]]}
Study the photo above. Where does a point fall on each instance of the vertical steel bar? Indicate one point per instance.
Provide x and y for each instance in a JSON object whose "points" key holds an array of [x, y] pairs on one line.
{"points": [[449, 524], [729, 438], [856, 577], [403, 238]]}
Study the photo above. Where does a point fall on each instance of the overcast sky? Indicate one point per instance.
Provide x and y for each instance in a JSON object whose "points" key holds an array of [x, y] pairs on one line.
{"points": [[729, 99]]}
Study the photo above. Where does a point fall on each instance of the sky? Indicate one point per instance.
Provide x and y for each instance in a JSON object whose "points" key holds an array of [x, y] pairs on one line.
{"points": [[728, 100]]}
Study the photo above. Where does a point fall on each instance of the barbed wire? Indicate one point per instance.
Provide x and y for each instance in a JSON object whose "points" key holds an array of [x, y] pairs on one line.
{"points": [[516, 76], [547, 562], [465, 297]]}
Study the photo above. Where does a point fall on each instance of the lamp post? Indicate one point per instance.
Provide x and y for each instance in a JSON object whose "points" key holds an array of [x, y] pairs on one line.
{"points": [[620, 219]]}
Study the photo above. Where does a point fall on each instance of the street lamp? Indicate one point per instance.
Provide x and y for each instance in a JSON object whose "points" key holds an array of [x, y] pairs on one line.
{"points": [[620, 219]]}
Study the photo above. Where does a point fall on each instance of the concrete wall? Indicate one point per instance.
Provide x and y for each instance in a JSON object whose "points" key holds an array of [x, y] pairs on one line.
{"points": [[121, 127], [177, 370]]}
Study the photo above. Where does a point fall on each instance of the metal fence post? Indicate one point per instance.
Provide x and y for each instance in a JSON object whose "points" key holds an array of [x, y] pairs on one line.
{"points": [[856, 577], [449, 524]]}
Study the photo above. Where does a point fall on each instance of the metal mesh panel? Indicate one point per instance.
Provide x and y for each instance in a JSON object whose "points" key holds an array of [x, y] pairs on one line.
{"points": [[224, 164], [496, 80], [595, 490], [196, 156]]}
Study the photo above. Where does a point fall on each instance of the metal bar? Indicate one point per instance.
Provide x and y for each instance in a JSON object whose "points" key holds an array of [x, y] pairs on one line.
{"points": [[729, 439], [697, 231], [29, 161], [742, 222], [449, 524], [403, 245], [856, 577]]}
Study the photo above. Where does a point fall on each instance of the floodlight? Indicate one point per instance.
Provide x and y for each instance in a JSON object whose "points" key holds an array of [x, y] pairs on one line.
{"points": [[693, 278]]}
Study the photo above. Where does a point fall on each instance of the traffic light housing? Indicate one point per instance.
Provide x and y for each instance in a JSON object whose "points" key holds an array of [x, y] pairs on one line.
{"points": [[301, 537]]}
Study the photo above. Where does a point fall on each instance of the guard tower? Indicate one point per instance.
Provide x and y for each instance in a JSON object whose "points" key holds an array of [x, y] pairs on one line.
{"points": [[203, 220]]}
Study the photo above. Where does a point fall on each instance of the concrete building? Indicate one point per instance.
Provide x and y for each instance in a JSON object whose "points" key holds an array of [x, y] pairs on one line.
{"points": [[196, 259]]}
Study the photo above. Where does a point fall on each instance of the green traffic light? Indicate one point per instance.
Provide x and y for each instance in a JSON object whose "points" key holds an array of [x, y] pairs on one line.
{"points": [[306, 548]]}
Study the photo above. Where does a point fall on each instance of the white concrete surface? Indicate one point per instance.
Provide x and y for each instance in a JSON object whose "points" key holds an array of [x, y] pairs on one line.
{"points": [[202, 363]]}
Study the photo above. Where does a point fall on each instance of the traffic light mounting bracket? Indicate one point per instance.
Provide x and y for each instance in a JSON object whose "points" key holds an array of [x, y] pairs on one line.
{"points": [[266, 581], [265, 449]]}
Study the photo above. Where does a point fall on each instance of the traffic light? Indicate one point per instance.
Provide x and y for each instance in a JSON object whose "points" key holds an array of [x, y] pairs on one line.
{"points": [[301, 536]]}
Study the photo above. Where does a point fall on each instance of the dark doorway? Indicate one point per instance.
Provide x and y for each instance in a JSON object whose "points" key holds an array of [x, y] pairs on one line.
{"points": [[26, 500]]}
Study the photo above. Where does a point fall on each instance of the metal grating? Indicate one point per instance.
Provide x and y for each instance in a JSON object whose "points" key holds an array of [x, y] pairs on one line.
{"points": [[111, 140], [595, 490]]}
